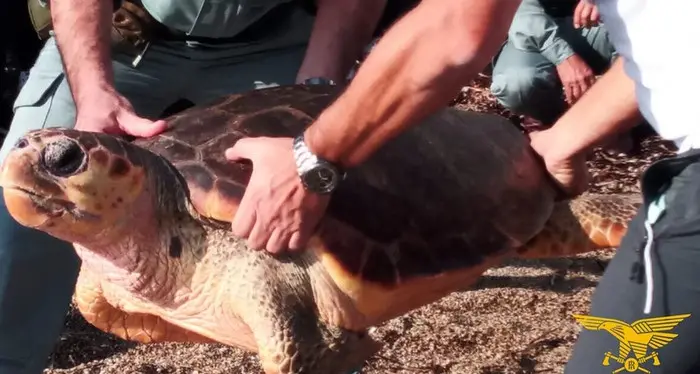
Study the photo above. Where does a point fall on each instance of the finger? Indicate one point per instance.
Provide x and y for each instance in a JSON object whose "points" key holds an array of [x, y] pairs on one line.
{"points": [[575, 92], [584, 86], [297, 241], [243, 149], [585, 16], [258, 237], [568, 92], [300, 239], [577, 14], [277, 242], [595, 16], [142, 127], [563, 184], [244, 220]]}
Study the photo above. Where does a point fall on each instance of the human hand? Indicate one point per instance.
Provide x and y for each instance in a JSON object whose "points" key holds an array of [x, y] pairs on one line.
{"points": [[569, 172], [586, 14], [576, 77], [276, 212], [110, 113]]}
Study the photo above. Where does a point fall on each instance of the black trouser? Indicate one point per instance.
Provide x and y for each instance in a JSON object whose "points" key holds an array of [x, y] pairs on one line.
{"points": [[675, 268]]}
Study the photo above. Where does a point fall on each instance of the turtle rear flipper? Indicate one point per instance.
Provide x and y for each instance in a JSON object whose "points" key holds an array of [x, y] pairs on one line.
{"points": [[587, 223]]}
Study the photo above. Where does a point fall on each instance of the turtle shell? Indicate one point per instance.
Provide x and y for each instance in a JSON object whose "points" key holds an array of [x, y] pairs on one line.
{"points": [[458, 188]]}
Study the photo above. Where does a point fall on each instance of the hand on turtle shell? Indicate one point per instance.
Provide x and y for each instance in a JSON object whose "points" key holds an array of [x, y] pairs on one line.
{"points": [[276, 212], [111, 113], [569, 172]]}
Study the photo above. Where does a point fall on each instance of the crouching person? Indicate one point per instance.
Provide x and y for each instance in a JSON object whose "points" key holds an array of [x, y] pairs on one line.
{"points": [[554, 51]]}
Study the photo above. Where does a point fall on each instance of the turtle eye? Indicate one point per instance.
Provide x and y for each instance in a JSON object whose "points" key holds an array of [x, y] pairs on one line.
{"points": [[21, 143], [63, 157]]}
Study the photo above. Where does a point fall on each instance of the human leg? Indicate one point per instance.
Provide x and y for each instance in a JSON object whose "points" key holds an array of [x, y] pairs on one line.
{"points": [[37, 275], [675, 260], [527, 83], [271, 68], [37, 271]]}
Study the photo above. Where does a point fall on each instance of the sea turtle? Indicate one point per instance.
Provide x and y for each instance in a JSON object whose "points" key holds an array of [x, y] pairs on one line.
{"points": [[425, 216]]}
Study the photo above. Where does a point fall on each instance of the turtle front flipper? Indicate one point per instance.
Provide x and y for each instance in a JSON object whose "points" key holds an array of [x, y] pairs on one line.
{"points": [[276, 301], [296, 342], [138, 327]]}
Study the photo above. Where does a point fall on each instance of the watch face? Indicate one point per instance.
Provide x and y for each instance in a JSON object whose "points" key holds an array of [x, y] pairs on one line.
{"points": [[321, 179]]}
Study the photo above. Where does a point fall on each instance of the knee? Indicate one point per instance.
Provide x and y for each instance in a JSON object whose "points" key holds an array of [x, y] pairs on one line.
{"points": [[514, 87], [45, 100]]}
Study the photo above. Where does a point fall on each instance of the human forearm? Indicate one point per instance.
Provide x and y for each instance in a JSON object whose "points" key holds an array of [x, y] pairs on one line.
{"points": [[417, 67], [607, 108], [82, 34], [341, 30]]}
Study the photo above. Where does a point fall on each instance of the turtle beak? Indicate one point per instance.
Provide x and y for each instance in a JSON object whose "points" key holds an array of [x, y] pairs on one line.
{"points": [[31, 197], [7, 167]]}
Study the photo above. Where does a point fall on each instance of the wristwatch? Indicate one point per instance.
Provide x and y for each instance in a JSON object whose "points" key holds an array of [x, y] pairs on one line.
{"points": [[318, 80], [316, 174]]}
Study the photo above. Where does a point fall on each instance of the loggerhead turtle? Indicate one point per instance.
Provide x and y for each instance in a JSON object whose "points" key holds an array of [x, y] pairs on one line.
{"points": [[425, 216]]}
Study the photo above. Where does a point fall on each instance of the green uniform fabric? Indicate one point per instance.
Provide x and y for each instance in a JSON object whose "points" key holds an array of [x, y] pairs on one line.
{"points": [[209, 18]]}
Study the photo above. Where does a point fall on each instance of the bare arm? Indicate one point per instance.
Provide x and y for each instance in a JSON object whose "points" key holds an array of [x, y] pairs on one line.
{"points": [[83, 37], [341, 31], [418, 67], [607, 108]]}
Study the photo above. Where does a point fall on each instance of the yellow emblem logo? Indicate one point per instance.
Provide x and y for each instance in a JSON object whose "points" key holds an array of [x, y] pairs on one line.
{"points": [[643, 338]]}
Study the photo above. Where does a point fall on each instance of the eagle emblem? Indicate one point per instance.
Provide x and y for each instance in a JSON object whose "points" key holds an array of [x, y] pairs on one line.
{"points": [[643, 338]]}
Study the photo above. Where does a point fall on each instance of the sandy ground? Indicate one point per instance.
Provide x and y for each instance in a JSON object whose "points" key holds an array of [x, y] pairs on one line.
{"points": [[517, 319]]}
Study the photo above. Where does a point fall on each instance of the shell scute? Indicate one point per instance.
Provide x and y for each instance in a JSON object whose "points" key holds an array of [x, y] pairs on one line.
{"points": [[199, 129], [175, 150], [231, 191], [198, 175], [273, 122]]}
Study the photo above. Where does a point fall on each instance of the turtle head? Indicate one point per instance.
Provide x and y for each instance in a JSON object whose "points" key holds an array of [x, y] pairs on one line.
{"points": [[72, 184]]}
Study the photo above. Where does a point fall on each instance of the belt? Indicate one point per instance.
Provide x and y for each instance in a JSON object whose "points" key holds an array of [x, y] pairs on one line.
{"points": [[273, 21]]}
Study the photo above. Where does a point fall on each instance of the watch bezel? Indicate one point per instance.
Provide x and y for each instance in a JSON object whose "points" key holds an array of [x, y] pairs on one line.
{"points": [[309, 165], [317, 81], [306, 178]]}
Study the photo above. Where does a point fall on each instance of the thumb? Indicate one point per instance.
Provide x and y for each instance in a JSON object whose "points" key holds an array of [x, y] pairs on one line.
{"points": [[243, 149], [142, 127]]}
